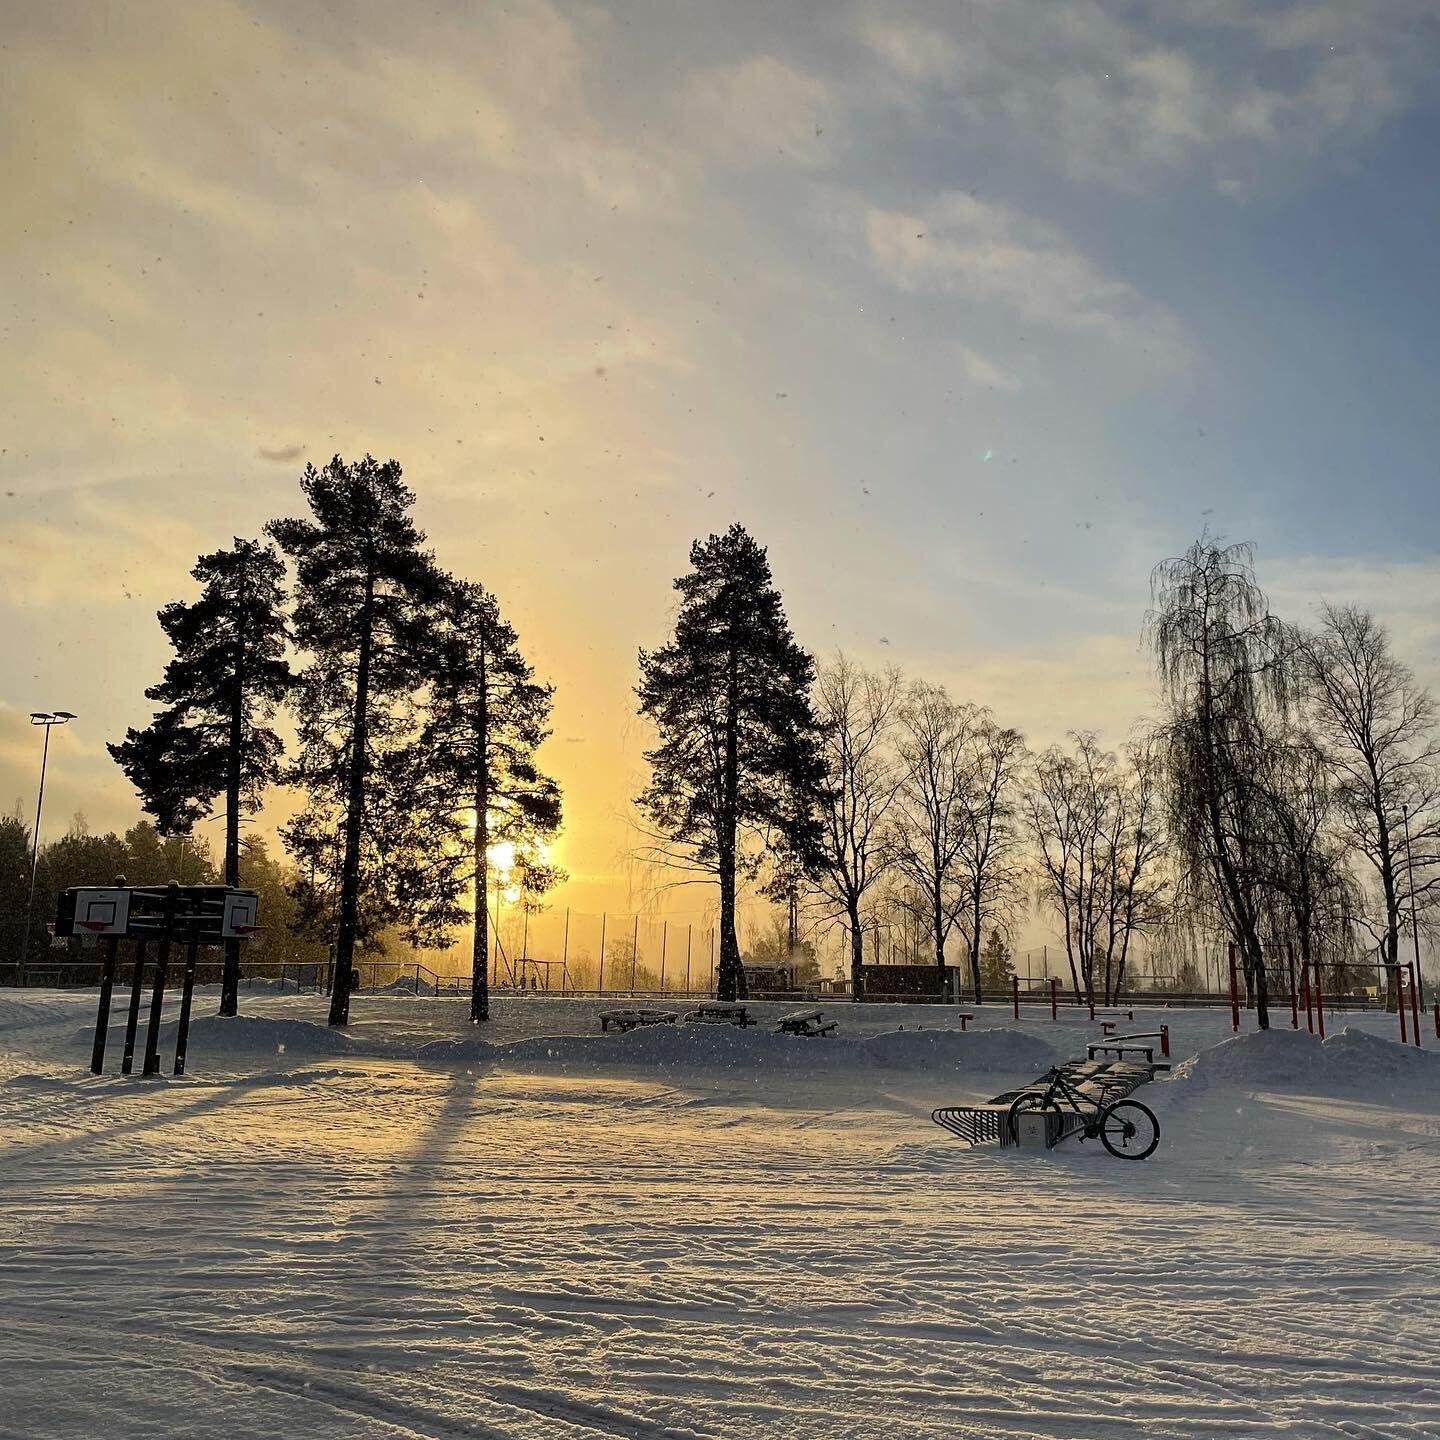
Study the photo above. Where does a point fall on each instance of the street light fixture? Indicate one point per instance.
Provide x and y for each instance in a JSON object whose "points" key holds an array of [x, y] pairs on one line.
{"points": [[49, 719]]}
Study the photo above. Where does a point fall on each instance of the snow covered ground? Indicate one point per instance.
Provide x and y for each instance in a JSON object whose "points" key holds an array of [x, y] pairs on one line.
{"points": [[410, 1232]]}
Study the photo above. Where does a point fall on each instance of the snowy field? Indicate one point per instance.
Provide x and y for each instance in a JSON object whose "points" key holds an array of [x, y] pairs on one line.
{"points": [[406, 1232]]}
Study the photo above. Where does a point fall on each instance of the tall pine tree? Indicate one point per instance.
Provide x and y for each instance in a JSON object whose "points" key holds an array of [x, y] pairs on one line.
{"points": [[219, 692], [486, 719], [738, 760], [364, 591]]}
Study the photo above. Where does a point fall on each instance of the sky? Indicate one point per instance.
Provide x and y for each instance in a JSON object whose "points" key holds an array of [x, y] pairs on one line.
{"points": [[970, 311]]}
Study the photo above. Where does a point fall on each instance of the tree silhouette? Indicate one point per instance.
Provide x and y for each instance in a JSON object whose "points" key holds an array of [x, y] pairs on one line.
{"points": [[219, 692], [363, 596], [486, 718], [738, 757]]}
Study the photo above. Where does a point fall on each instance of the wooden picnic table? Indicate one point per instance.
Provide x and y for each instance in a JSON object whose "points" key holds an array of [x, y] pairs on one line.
{"points": [[806, 1022], [625, 1020], [720, 1015]]}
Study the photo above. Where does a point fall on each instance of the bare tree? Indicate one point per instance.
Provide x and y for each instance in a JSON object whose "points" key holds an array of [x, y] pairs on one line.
{"points": [[1225, 665], [1096, 823], [989, 869], [856, 710], [1378, 729], [935, 739]]}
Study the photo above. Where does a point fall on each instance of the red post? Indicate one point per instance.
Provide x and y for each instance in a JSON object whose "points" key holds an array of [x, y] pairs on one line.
{"points": [[1398, 984], [1414, 1001], [1319, 1000], [1234, 994], [1054, 998], [1294, 999], [1015, 994], [1437, 1019], [1305, 995], [1165, 1041]]}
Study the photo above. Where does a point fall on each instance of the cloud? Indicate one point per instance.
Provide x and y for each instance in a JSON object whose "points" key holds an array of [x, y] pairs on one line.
{"points": [[991, 255], [282, 455], [763, 110], [1096, 92]]}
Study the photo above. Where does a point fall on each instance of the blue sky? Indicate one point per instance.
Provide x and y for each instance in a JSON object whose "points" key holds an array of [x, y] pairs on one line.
{"points": [[971, 311]]}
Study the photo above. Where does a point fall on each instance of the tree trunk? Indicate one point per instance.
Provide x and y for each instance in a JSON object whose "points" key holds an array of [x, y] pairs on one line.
{"points": [[857, 955], [480, 943], [354, 815], [730, 979], [975, 956], [230, 971]]}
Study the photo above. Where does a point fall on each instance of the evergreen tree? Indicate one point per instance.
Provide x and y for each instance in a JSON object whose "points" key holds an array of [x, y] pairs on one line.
{"points": [[219, 691], [486, 718], [738, 760], [996, 963], [364, 588]]}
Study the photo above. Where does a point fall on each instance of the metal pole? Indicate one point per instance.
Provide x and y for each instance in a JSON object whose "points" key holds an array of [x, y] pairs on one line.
{"points": [[102, 1013], [1415, 1003], [1234, 993], [157, 994], [132, 1018], [601, 985], [182, 1030], [688, 929], [1294, 998], [1410, 875], [664, 940], [634, 952], [35, 850], [712, 960]]}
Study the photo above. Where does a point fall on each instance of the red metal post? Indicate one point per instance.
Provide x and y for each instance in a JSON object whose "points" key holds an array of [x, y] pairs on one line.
{"points": [[1398, 985], [1015, 994], [1165, 1041], [1414, 1001], [1437, 1019], [1319, 1000], [1234, 994], [1054, 998]]}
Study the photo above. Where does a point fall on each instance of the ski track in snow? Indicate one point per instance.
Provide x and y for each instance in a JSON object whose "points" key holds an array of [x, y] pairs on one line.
{"points": [[338, 1245]]}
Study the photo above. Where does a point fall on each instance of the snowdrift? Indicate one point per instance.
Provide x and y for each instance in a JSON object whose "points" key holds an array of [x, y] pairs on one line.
{"points": [[717, 1047], [1296, 1060]]}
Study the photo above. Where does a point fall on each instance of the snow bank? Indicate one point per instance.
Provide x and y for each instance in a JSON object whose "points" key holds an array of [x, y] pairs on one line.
{"points": [[724, 1047], [212, 1036], [1297, 1060]]}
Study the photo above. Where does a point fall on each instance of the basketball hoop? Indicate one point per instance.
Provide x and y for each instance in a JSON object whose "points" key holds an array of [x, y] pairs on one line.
{"points": [[96, 925]]}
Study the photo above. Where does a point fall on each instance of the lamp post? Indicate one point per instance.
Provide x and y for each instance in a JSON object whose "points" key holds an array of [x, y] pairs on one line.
{"points": [[1414, 922], [48, 719]]}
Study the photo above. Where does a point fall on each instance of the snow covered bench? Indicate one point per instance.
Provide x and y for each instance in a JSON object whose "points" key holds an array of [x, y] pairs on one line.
{"points": [[720, 1015], [1122, 1046], [624, 1020], [805, 1022]]}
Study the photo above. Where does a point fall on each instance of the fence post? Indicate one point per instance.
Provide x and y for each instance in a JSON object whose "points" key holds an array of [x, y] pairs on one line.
{"points": [[565, 954], [1414, 1001], [1054, 998], [1015, 994], [1437, 1019], [1165, 1041], [1234, 993]]}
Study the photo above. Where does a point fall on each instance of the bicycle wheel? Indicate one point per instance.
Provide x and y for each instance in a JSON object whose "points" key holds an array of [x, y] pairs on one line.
{"points": [[1031, 1101], [1129, 1130]]}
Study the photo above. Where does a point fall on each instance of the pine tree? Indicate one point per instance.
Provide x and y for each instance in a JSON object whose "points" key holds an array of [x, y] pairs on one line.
{"points": [[219, 690], [486, 719], [738, 759], [364, 589]]}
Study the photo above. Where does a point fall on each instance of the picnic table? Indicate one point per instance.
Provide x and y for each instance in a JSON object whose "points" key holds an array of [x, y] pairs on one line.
{"points": [[805, 1022], [720, 1015], [624, 1020]]}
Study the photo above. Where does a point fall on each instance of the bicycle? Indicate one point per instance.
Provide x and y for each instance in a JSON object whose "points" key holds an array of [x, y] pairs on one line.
{"points": [[1126, 1128]]}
